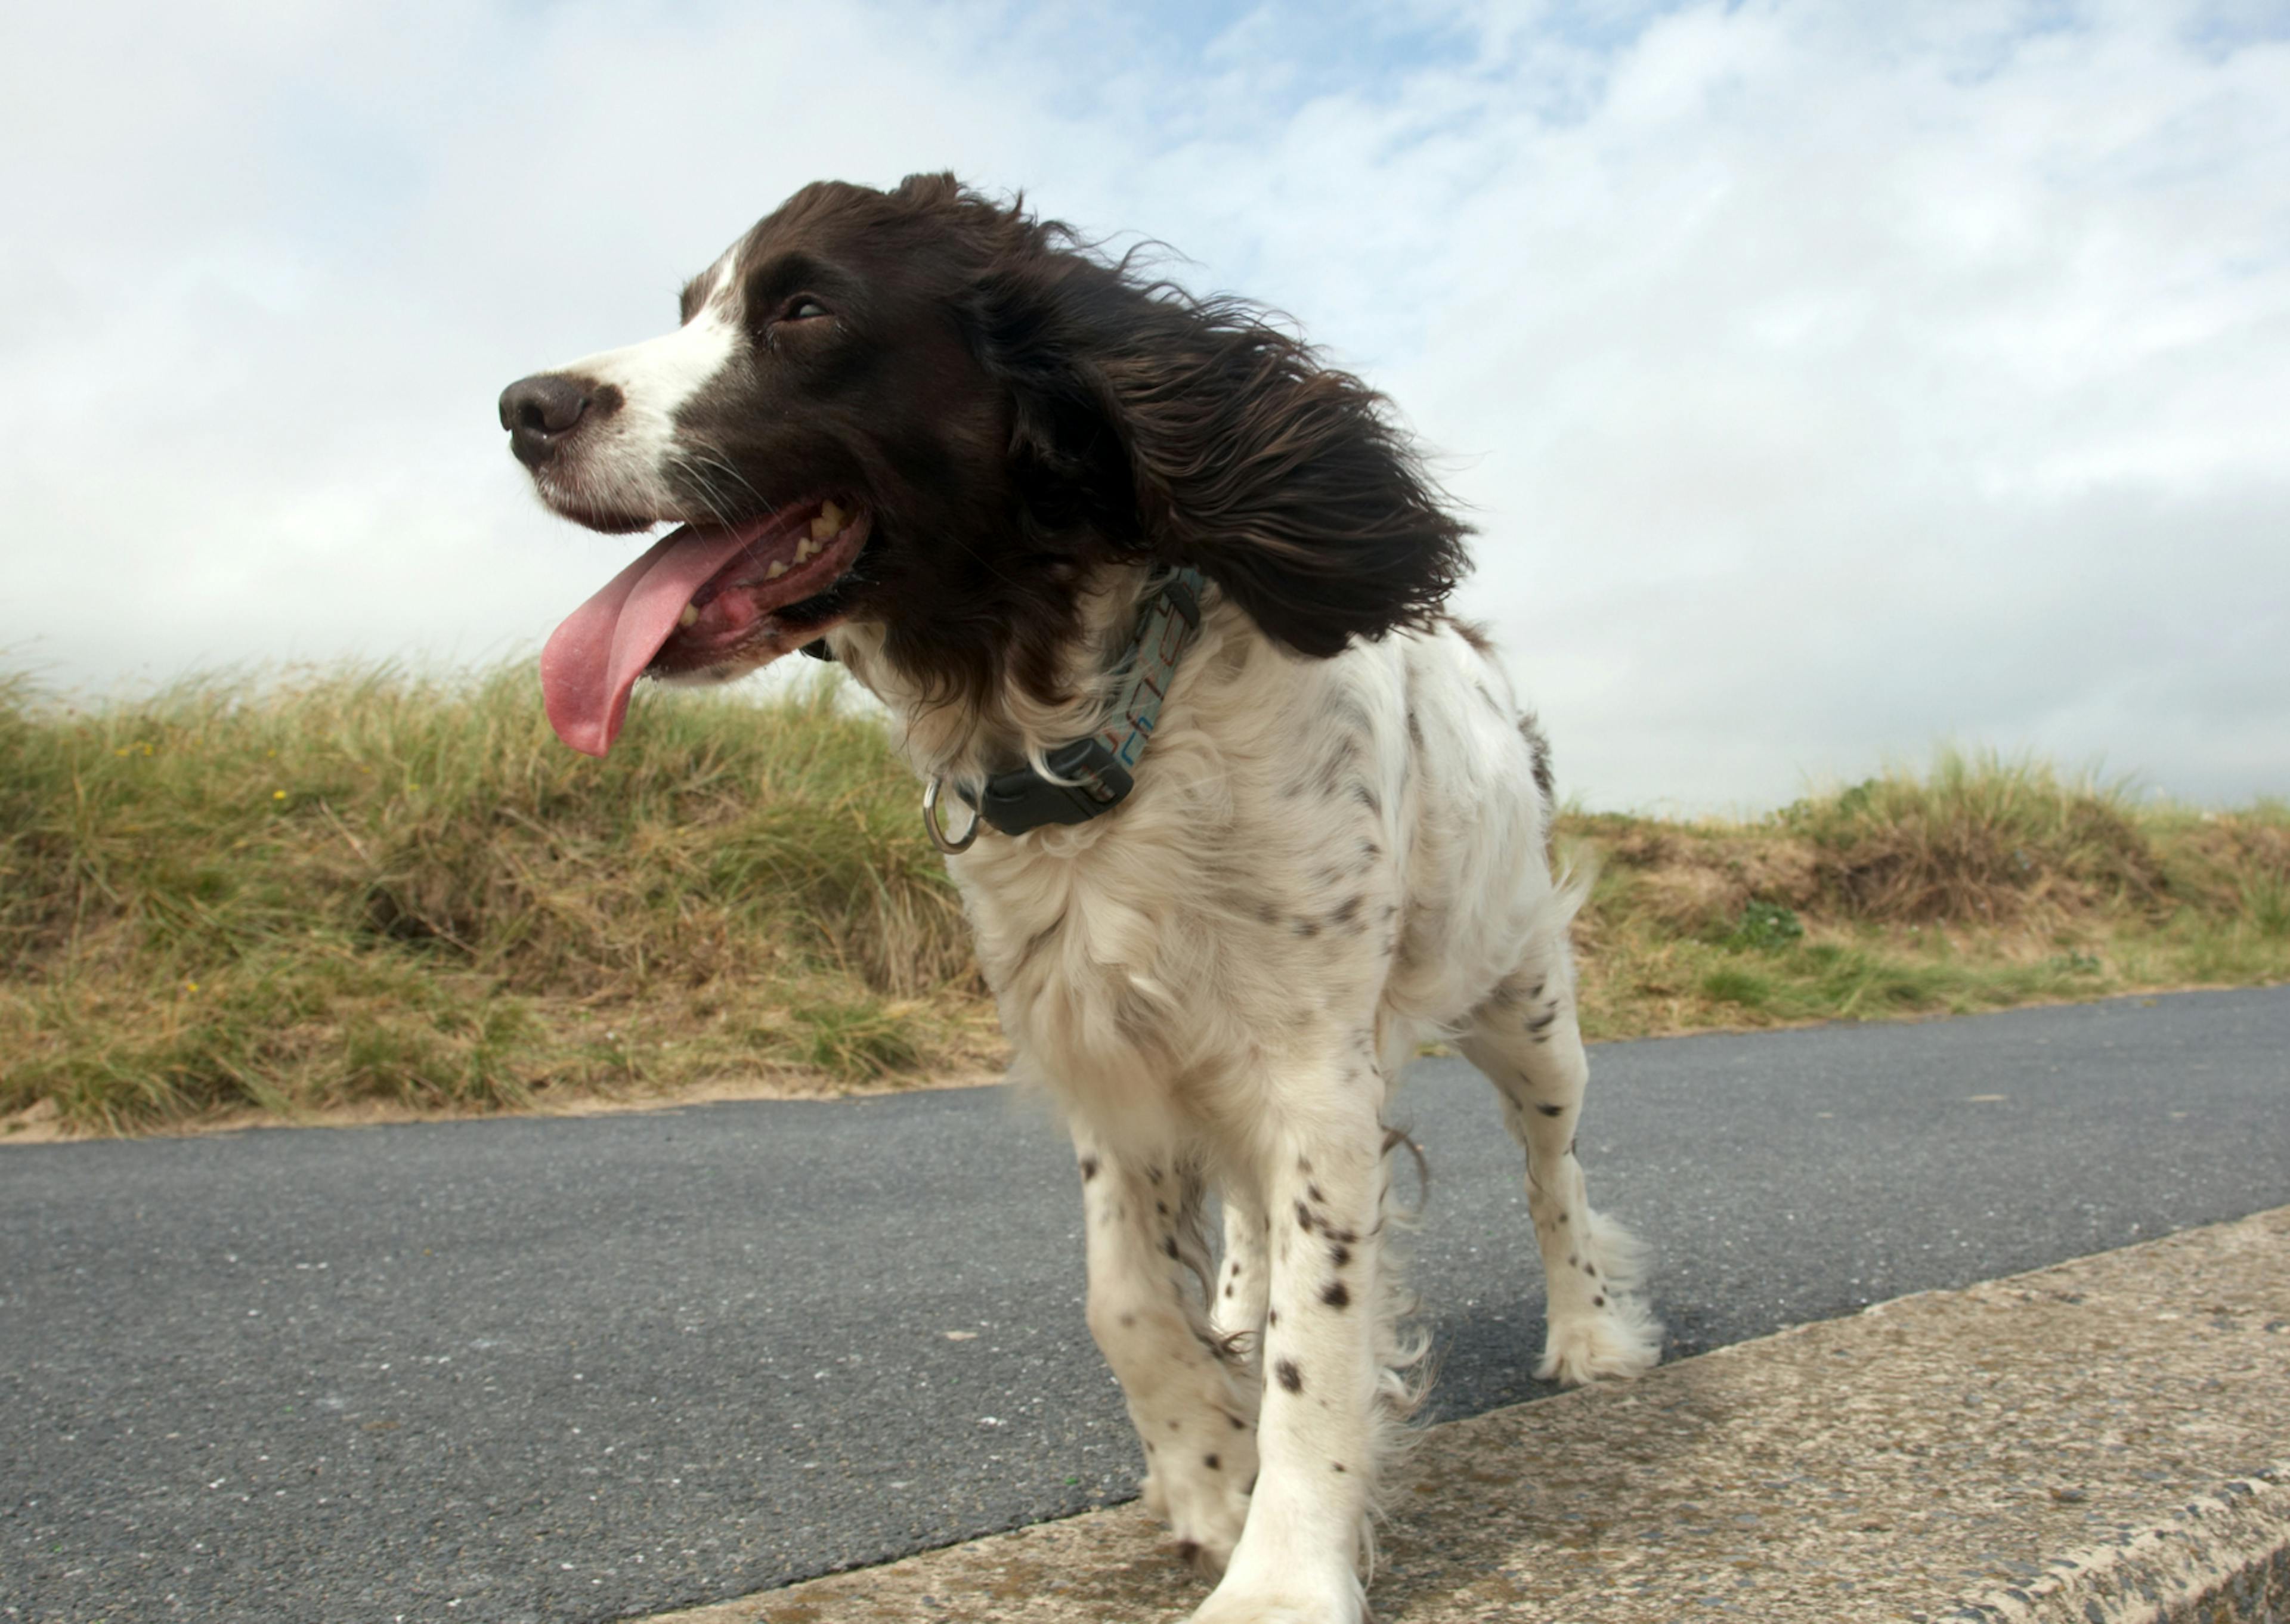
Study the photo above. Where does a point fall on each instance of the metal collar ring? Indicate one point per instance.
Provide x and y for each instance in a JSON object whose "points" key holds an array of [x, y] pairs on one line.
{"points": [[931, 826]]}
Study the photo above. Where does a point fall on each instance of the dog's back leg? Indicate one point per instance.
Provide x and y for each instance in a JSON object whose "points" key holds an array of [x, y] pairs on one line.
{"points": [[1526, 1039], [1244, 1284]]}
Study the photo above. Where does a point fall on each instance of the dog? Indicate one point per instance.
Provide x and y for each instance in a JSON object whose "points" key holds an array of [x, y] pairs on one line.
{"points": [[1242, 817]]}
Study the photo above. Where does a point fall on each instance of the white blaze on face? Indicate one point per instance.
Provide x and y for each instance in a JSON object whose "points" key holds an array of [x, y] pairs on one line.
{"points": [[625, 465]]}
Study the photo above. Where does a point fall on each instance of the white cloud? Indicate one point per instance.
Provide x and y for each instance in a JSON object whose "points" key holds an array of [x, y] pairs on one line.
{"points": [[1825, 382]]}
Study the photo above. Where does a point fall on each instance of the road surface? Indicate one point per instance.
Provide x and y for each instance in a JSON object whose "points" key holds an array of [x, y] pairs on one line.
{"points": [[576, 1369]]}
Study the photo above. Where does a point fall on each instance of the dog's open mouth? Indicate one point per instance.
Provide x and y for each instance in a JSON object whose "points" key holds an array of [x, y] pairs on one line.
{"points": [[703, 595]]}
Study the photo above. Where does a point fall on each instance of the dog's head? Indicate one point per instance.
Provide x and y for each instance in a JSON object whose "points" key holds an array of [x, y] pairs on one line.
{"points": [[929, 410]]}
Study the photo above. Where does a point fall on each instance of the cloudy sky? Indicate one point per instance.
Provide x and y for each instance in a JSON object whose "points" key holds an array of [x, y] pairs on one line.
{"points": [[1827, 381]]}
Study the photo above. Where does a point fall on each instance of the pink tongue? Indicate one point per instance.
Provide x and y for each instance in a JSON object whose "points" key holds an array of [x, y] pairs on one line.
{"points": [[592, 660]]}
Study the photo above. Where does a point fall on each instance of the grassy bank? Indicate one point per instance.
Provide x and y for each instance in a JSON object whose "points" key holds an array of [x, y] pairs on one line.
{"points": [[370, 887]]}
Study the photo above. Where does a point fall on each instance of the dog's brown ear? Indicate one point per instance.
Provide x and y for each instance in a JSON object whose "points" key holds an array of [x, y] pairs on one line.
{"points": [[1198, 433], [1283, 480]]}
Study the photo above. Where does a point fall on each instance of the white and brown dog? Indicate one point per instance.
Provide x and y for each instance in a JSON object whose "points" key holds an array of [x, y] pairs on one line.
{"points": [[1049, 512]]}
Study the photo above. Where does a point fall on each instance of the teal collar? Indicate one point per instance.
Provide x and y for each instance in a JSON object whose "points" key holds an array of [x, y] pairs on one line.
{"points": [[1091, 776]]}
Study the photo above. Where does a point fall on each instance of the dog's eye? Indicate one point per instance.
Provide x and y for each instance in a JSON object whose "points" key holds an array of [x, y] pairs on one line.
{"points": [[803, 308]]}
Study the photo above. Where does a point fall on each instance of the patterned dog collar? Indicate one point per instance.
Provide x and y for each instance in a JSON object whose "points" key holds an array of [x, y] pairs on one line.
{"points": [[1090, 776]]}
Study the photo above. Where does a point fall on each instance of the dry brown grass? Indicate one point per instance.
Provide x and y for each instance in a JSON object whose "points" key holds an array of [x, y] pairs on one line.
{"points": [[1978, 884], [364, 886], [364, 891]]}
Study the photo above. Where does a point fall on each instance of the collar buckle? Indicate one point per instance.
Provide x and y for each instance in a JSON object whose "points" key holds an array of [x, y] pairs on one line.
{"points": [[1086, 779]]}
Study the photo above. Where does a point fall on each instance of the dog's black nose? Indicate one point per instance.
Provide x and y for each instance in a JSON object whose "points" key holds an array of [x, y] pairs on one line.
{"points": [[538, 412]]}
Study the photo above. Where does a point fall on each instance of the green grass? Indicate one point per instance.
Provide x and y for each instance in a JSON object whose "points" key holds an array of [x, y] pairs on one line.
{"points": [[1980, 884], [369, 886]]}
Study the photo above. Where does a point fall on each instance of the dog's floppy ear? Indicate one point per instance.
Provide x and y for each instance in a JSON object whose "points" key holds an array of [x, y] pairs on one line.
{"points": [[1197, 432], [1283, 480]]}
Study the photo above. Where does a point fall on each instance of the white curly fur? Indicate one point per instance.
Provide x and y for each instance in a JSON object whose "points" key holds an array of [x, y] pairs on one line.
{"points": [[1324, 864]]}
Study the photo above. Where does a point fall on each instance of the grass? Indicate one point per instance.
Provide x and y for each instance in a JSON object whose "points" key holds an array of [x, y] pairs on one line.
{"points": [[367, 886], [1980, 884], [370, 887]]}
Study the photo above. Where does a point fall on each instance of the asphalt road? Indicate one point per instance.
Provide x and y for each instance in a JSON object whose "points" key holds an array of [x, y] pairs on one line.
{"points": [[571, 1369]]}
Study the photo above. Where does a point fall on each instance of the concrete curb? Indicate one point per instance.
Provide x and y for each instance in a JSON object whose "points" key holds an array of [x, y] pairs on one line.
{"points": [[2225, 1557], [2091, 1443]]}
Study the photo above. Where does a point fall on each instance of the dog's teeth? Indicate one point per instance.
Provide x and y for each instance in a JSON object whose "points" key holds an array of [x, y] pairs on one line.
{"points": [[690, 616], [831, 517], [775, 571], [802, 551]]}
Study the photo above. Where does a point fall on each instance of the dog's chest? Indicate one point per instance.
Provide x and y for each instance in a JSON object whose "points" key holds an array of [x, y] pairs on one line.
{"points": [[1118, 955], [1243, 904], [1318, 856]]}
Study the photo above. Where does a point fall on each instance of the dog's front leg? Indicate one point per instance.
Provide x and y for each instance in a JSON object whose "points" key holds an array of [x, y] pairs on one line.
{"points": [[1189, 1397], [1322, 1179]]}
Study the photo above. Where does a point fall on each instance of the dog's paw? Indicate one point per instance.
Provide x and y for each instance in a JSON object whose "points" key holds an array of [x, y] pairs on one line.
{"points": [[1204, 1512], [1619, 1339], [1599, 1323], [1271, 1583], [1254, 1607]]}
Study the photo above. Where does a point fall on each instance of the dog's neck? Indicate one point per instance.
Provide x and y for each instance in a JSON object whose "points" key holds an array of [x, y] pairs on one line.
{"points": [[963, 742]]}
